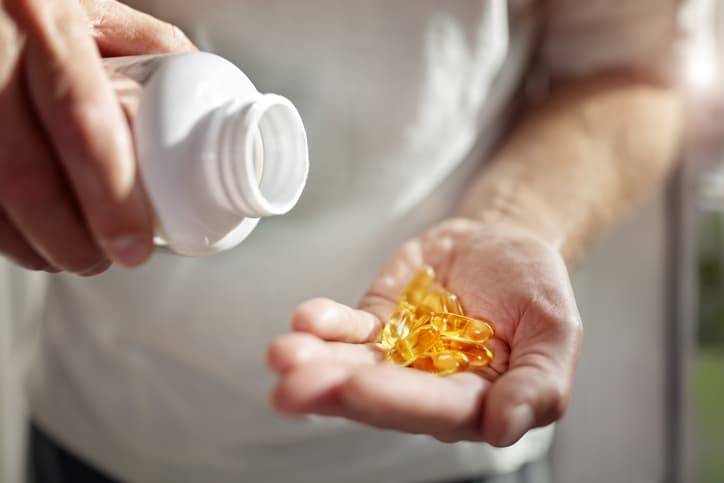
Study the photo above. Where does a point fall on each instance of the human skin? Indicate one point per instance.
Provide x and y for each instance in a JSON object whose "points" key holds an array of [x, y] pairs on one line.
{"points": [[573, 164], [70, 199], [70, 194]]}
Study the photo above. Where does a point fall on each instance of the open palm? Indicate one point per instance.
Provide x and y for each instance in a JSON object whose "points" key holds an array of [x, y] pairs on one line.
{"points": [[330, 363]]}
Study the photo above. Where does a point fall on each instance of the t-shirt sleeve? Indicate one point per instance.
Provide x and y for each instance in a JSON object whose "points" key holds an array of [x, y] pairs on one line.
{"points": [[586, 36]]}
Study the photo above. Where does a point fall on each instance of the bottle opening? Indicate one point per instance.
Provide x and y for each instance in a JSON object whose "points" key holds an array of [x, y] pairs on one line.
{"points": [[276, 155], [265, 160], [258, 155]]}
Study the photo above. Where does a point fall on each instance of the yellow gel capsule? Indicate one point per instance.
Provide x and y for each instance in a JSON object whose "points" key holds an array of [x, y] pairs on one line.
{"points": [[395, 357], [430, 331], [421, 340], [440, 301], [405, 305], [441, 363], [477, 330], [398, 327], [451, 303], [418, 287], [431, 302], [461, 326], [416, 322], [478, 355]]}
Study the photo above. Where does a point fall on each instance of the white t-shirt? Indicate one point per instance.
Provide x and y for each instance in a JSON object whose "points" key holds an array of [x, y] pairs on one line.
{"points": [[157, 374]]}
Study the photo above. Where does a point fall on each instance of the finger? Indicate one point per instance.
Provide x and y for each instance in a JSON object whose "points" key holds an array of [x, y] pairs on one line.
{"points": [[121, 30], [14, 247], [295, 350], [535, 391], [35, 196], [96, 269], [385, 289], [435, 248], [311, 389], [387, 397], [80, 114], [333, 321], [501, 357], [413, 401]]}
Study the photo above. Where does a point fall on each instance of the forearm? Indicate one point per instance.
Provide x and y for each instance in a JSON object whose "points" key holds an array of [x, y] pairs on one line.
{"points": [[580, 159]]}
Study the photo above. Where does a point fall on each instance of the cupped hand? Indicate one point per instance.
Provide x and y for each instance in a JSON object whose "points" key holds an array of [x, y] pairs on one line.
{"points": [[70, 196], [330, 363]]}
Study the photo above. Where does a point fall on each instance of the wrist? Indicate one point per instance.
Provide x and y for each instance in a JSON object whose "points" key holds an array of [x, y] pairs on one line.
{"points": [[505, 234], [525, 217]]}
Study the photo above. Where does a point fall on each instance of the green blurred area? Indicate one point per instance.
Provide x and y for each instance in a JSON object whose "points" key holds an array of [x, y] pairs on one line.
{"points": [[709, 364], [709, 407]]}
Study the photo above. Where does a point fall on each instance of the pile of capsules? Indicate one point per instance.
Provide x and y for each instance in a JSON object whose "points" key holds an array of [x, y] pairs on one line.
{"points": [[430, 331]]}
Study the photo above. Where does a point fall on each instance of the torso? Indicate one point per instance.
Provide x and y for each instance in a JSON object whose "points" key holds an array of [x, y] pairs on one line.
{"points": [[158, 373]]}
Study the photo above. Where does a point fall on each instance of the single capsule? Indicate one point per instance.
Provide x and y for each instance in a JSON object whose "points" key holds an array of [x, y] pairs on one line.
{"points": [[396, 328], [478, 354], [477, 330], [417, 288], [461, 326], [396, 358], [422, 340], [439, 300], [442, 363], [439, 320], [451, 303], [431, 302], [403, 304], [419, 321]]}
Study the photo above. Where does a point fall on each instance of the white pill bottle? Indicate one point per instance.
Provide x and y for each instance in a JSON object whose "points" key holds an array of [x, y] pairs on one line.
{"points": [[215, 155]]}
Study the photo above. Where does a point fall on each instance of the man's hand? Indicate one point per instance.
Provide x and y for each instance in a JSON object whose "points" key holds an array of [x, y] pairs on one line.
{"points": [[70, 195], [502, 273]]}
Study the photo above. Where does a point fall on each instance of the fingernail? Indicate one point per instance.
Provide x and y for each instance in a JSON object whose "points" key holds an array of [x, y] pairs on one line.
{"points": [[96, 269], [129, 250], [520, 420]]}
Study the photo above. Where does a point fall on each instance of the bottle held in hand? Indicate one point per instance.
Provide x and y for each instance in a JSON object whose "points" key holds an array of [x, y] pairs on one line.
{"points": [[215, 155]]}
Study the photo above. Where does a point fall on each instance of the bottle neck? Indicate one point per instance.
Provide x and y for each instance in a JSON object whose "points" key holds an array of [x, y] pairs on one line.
{"points": [[261, 153]]}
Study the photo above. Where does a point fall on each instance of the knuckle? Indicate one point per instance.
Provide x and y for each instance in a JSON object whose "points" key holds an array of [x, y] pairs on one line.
{"points": [[302, 320], [576, 326], [569, 327], [559, 398], [174, 33], [553, 314], [281, 354], [304, 317], [548, 318], [85, 118], [176, 37]]}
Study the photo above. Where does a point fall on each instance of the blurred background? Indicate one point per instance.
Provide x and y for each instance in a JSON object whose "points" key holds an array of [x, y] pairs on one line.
{"points": [[648, 404]]}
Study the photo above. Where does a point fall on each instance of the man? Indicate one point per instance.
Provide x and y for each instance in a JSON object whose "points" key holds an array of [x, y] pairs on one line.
{"points": [[157, 373]]}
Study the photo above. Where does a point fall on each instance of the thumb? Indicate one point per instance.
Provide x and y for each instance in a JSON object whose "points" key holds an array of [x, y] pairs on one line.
{"points": [[121, 30], [536, 389]]}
